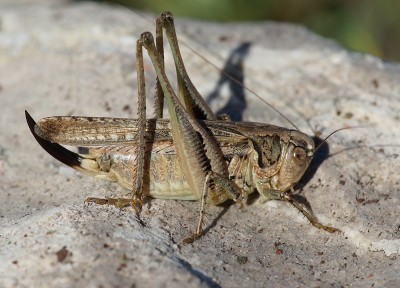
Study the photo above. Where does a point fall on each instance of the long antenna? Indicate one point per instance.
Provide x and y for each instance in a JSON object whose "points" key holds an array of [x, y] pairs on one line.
{"points": [[337, 130]]}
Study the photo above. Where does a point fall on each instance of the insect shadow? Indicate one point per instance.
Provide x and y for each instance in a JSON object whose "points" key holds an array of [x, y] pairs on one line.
{"points": [[233, 68]]}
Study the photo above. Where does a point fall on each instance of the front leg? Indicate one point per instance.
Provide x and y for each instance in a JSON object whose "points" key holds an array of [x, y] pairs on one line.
{"points": [[271, 194]]}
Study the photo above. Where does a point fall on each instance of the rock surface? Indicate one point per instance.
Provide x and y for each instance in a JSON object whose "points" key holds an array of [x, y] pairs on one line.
{"points": [[78, 59]]}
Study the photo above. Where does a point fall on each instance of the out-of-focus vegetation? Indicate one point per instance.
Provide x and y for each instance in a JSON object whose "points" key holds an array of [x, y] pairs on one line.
{"points": [[369, 26]]}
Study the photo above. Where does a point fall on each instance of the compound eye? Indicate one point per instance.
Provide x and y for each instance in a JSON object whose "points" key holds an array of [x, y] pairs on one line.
{"points": [[299, 155]]}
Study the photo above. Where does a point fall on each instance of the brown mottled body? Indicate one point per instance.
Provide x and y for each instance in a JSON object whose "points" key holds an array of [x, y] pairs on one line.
{"points": [[111, 147]]}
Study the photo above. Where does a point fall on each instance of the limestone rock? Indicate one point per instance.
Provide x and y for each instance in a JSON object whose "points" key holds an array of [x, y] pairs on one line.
{"points": [[79, 59]]}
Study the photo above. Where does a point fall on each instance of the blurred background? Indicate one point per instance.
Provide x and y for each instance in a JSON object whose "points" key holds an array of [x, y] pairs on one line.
{"points": [[368, 26]]}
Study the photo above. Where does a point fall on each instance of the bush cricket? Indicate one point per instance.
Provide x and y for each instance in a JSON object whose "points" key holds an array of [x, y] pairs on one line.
{"points": [[194, 155]]}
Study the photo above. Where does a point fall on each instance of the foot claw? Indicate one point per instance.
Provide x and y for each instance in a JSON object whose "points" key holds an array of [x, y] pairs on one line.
{"points": [[98, 201], [192, 238]]}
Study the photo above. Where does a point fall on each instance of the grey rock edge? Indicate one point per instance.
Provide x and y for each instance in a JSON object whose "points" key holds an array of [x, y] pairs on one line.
{"points": [[78, 59]]}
